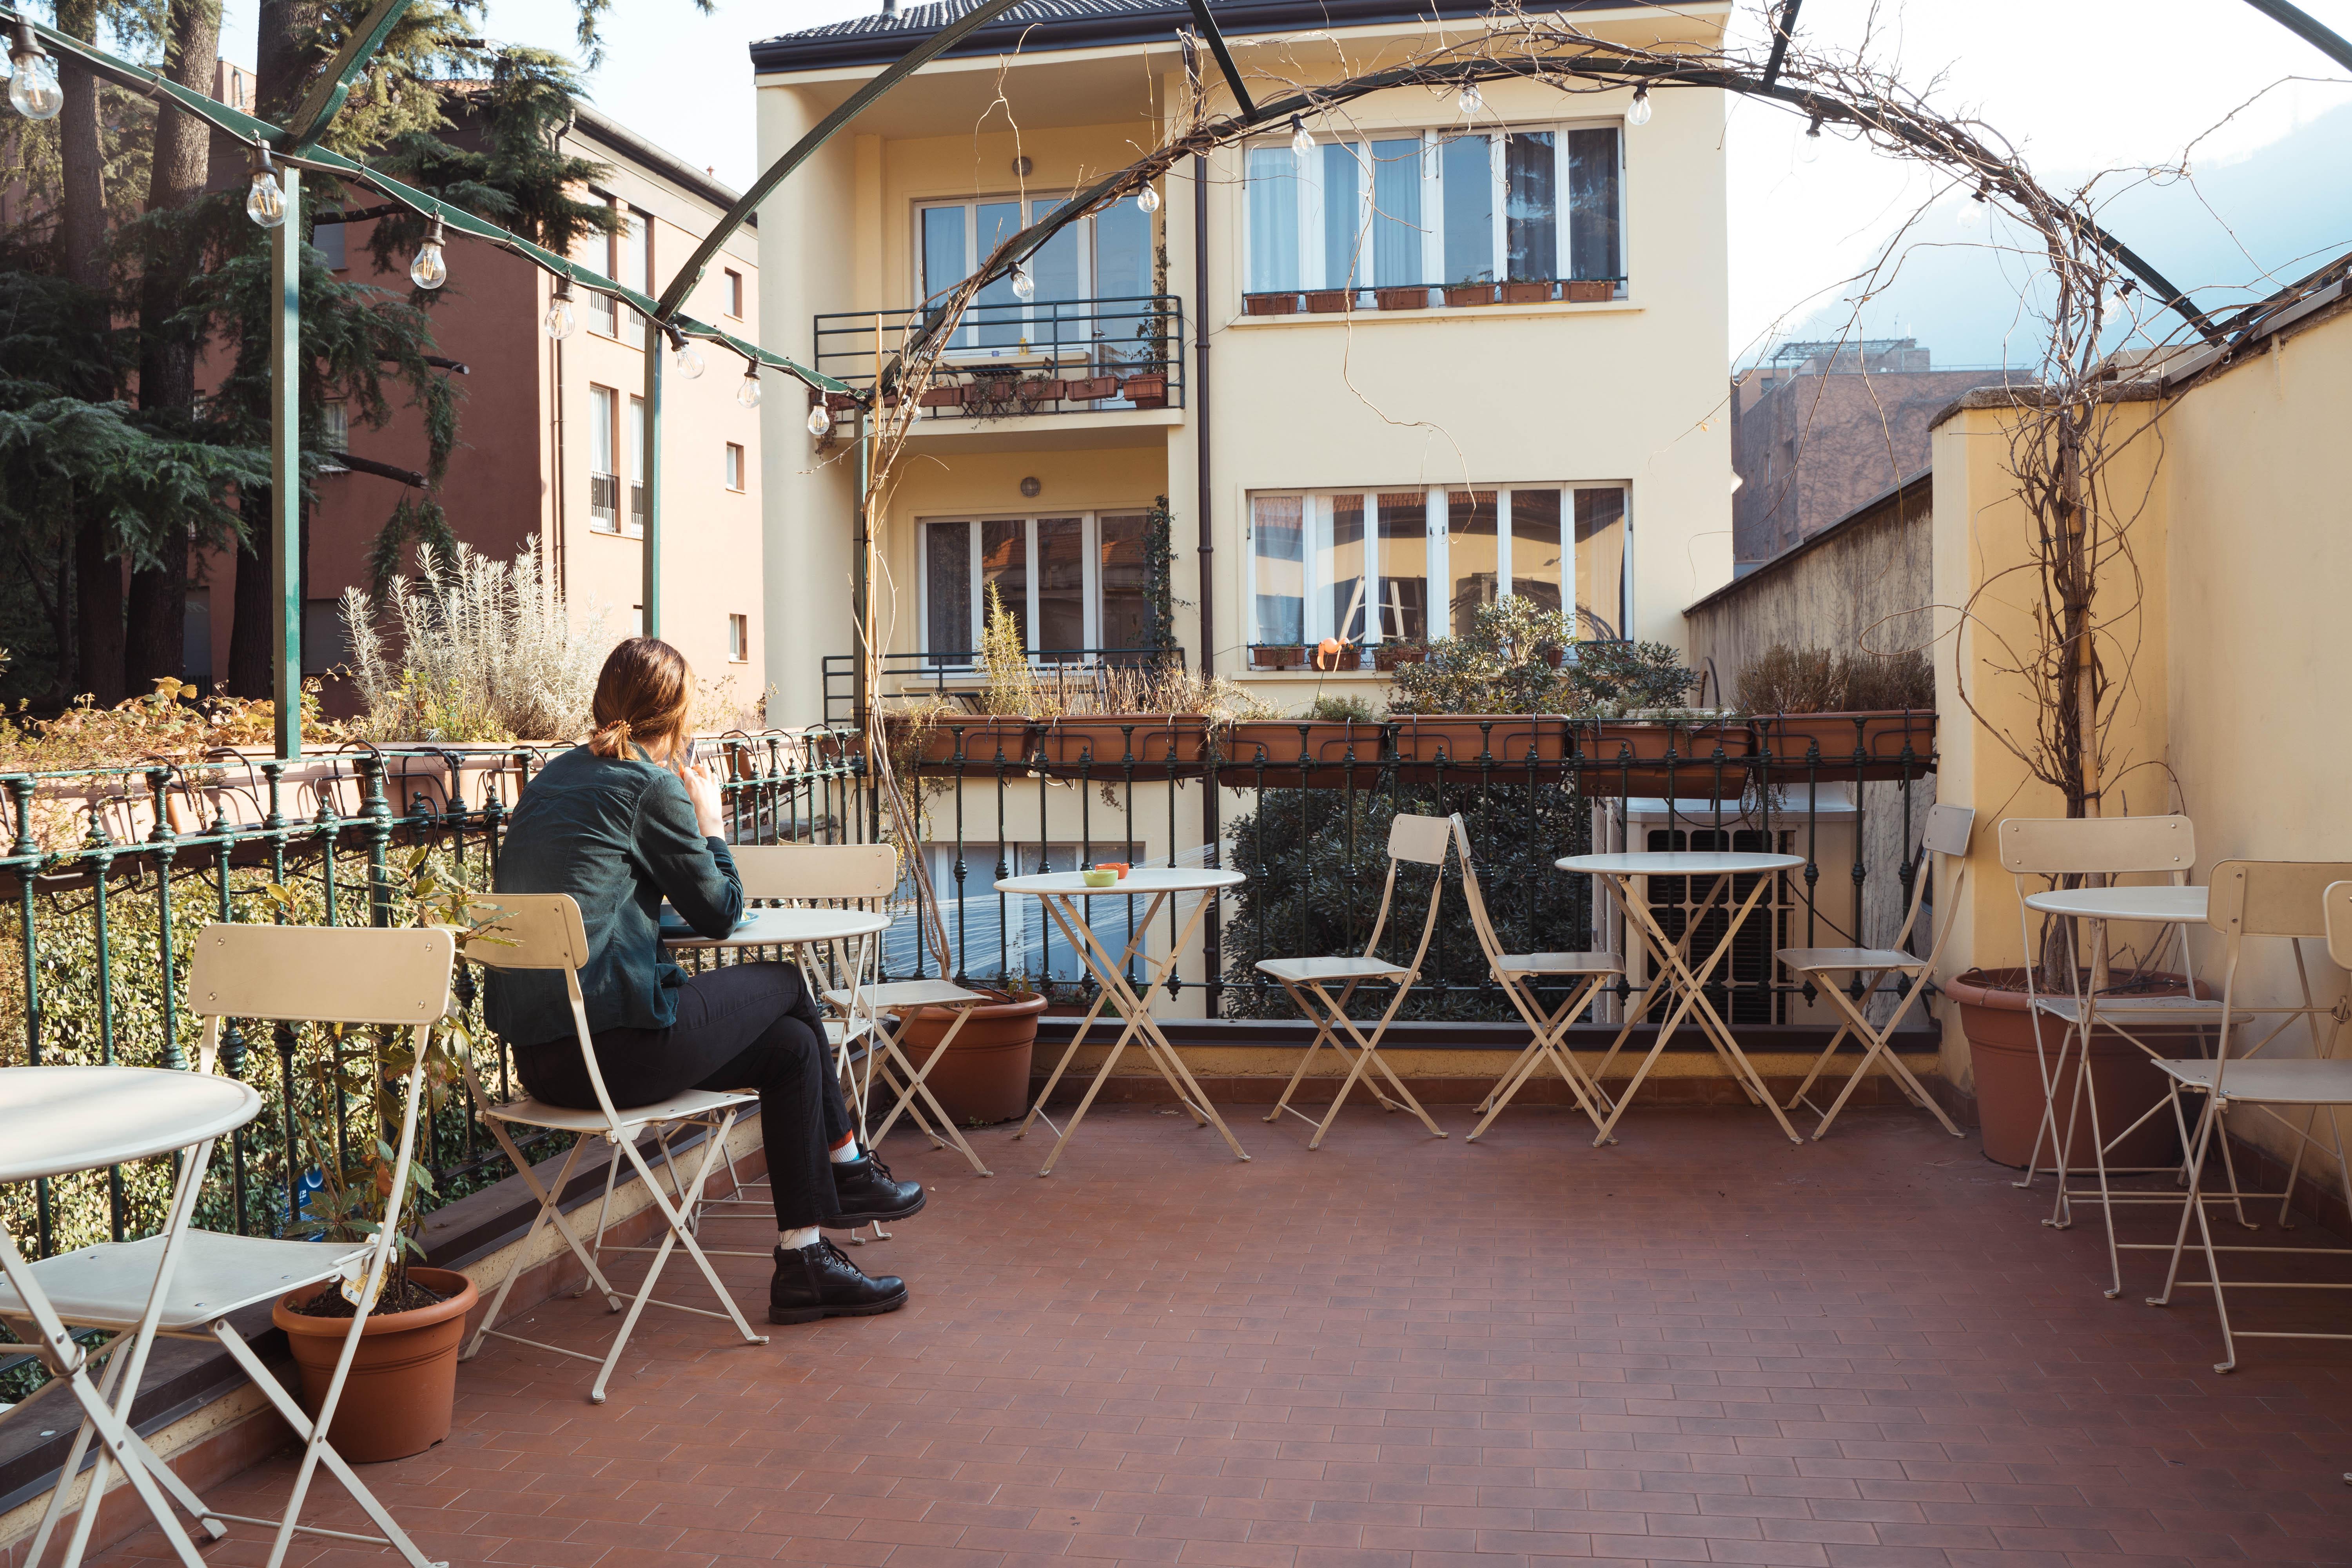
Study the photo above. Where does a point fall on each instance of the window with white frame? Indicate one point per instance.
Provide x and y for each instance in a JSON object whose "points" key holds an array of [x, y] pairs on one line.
{"points": [[1070, 583], [1527, 204], [1108, 257], [1415, 562], [603, 446], [635, 526]]}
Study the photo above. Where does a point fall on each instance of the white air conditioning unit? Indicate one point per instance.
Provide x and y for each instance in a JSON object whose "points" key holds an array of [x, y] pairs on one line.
{"points": [[1797, 911]]}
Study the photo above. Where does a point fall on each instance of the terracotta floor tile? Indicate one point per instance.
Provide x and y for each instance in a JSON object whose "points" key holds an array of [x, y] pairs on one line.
{"points": [[1698, 1347]]}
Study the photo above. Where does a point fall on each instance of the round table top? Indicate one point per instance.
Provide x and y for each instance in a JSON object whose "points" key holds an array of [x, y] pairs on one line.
{"points": [[789, 928], [55, 1120], [2164, 905], [1678, 863], [1144, 880]]}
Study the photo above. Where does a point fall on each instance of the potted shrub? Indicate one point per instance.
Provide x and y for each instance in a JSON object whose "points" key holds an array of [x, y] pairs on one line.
{"points": [[1827, 716], [1332, 654], [1336, 735], [984, 1076], [1276, 656], [1469, 293], [1588, 291], [1039, 389], [1147, 391], [1414, 299], [1389, 655], [1329, 302], [1107, 744], [1089, 389], [1269, 304], [401, 1391], [1527, 291]]}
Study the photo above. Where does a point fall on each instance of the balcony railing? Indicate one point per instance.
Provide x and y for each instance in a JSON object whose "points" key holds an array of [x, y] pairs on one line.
{"points": [[604, 502], [958, 674], [1007, 361]]}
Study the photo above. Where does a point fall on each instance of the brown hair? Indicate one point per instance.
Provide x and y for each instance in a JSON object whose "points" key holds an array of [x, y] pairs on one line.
{"points": [[643, 695]]}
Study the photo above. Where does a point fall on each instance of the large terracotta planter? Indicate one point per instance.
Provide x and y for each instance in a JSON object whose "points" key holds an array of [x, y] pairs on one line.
{"points": [[1283, 753], [984, 1076], [1106, 745], [2008, 1076], [1632, 756], [1827, 747], [1459, 747], [403, 1386], [979, 740]]}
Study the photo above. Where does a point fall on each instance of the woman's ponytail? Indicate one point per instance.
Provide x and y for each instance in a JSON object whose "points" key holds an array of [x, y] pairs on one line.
{"points": [[646, 695]]}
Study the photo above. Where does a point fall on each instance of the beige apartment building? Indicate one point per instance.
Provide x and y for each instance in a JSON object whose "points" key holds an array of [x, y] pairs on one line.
{"points": [[1348, 453]]}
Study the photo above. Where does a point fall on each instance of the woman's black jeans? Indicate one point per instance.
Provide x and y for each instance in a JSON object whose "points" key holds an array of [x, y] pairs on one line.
{"points": [[746, 1025]]}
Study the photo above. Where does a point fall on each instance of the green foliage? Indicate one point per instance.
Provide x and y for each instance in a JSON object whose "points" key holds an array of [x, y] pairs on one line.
{"points": [[1004, 665], [1502, 664], [1609, 679], [1159, 581], [1343, 709], [1316, 859]]}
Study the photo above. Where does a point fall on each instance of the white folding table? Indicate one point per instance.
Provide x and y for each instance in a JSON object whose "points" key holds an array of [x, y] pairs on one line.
{"points": [[1065, 895], [1628, 875], [58, 1121]]}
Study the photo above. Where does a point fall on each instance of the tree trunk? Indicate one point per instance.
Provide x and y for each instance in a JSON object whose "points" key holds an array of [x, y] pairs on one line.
{"points": [[157, 633], [81, 245], [250, 656]]}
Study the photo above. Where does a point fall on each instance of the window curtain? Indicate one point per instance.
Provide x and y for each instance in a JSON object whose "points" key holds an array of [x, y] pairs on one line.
{"points": [[1396, 213], [1273, 219], [1530, 207], [1467, 169]]}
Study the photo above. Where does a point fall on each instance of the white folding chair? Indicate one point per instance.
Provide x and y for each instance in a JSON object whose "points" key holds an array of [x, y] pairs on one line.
{"points": [[351, 975], [2297, 900], [2054, 848], [542, 931], [868, 1009], [1419, 839], [1519, 973], [1946, 834]]}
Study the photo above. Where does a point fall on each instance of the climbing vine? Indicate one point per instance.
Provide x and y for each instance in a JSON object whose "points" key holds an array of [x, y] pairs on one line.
{"points": [[1159, 577]]}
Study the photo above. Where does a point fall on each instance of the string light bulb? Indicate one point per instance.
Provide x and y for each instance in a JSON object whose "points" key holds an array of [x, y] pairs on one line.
{"points": [[560, 321], [1024, 286], [1302, 140], [1809, 147], [1471, 101], [687, 359], [1639, 111], [430, 267], [820, 419], [748, 394], [33, 89], [1148, 200], [265, 203]]}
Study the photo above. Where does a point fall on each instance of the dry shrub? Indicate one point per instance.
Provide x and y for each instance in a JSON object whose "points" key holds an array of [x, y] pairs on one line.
{"points": [[1784, 680]]}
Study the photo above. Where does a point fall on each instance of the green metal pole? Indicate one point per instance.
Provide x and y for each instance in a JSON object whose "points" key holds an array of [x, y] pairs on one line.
{"points": [[652, 586], [285, 463], [859, 588]]}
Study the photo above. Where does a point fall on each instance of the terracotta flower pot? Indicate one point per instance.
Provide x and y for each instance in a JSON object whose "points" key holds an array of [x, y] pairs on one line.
{"points": [[941, 397], [984, 1076], [1041, 390], [1389, 654], [1145, 390], [1328, 301], [1105, 743], [1526, 293], [1588, 291], [1401, 299], [1277, 753], [1868, 745], [404, 1380], [1269, 304], [2009, 1074], [1331, 654], [982, 739], [1470, 294], [1276, 656], [1088, 388], [1507, 740]]}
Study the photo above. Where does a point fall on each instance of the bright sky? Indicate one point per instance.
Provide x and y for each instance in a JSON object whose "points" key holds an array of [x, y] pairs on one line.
{"points": [[2078, 86]]}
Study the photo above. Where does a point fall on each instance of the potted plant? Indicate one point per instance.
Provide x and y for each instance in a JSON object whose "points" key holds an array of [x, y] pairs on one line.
{"points": [[1469, 293], [400, 1394], [1387, 656], [1338, 737], [1041, 389], [984, 1076], [1588, 291], [1527, 291], [949, 396], [1145, 390], [1091, 388], [1827, 716], [1276, 656], [1269, 304], [1329, 302], [1337, 653], [1414, 299]]}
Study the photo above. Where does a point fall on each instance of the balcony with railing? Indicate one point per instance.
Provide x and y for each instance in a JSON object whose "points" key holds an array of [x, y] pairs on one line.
{"points": [[1018, 360]]}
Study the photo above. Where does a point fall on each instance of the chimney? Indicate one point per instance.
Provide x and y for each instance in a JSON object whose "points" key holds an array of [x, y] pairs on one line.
{"points": [[889, 7]]}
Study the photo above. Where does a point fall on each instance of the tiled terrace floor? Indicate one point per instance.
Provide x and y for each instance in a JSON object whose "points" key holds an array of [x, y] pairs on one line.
{"points": [[1703, 1346]]}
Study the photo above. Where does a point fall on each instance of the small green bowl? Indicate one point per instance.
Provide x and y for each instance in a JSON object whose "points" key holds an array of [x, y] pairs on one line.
{"points": [[1100, 879]]}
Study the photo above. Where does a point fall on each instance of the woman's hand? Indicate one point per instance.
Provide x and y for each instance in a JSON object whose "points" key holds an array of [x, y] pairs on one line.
{"points": [[702, 789]]}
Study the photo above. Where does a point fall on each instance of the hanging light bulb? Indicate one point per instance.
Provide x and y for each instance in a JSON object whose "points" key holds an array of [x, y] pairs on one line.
{"points": [[560, 320], [430, 270], [748, 394], [1639, 112], [1809, 146], [1024, 286], [1472, 100], [688, 361], [33, 89], [265, 203], [1302, 140], [1148, 199], [820, 419]]}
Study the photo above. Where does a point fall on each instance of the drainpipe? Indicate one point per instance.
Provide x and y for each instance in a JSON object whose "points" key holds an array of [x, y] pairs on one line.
{"points": [[1211, 939]]}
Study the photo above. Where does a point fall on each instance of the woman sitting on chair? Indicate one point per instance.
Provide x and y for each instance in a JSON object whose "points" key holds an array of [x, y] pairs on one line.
{"points": [[620, 824]]}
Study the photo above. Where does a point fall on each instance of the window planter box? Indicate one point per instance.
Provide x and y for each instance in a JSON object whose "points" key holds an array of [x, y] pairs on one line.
{"points": [[982, 738], [1269, 304], [1841, 747], [1101, 745], [1469, 294], [1328, 654], [1525, 294], [1328, 301], [1401, 299], [941, 397], [1089, 388], [1587, 291], [1145, 390], [1042, 391], [1276, 656], [1277, 753], [1631, 756], [1389, 654], [1453, 745]]}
